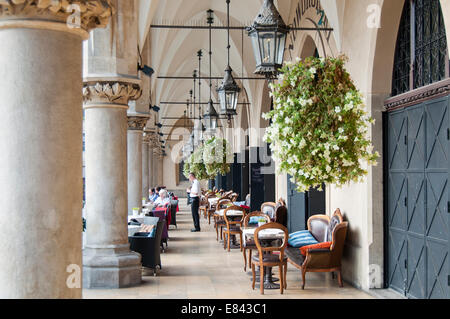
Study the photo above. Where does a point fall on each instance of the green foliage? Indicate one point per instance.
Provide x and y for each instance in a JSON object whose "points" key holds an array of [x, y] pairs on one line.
{"points": [[216, 156], [194, 164], [319, 130]]}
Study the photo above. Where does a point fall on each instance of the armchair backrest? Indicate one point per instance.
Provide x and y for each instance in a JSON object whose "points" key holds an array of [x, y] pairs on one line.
{"points": [[322, 227], [269, 209], [281, 214], [318, 227], [222, 202], [338, 242]]}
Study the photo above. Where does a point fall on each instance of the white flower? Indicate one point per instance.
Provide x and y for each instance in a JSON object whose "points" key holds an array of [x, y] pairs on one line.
{"points": [[313, 70], [337, 109], [341, 130], [297, 59]]}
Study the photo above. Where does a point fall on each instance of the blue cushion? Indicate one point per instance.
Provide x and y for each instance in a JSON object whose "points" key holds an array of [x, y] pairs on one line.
{"points": [[255, 219], [301, 238], [152, 233]]}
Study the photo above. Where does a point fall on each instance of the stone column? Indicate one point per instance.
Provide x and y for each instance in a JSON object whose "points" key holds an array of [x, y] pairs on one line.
{"points": [[151, 172], [41, 146], [136, 124], [111, 81], [145, 165], [107, 260]]}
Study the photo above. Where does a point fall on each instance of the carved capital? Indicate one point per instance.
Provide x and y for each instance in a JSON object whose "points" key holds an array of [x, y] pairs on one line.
{"points": [[117, 93], [85, 14], [137, 123]]}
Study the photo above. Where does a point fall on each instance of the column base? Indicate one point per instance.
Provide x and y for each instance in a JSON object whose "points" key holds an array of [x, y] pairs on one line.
{"points": [[111, 267]]}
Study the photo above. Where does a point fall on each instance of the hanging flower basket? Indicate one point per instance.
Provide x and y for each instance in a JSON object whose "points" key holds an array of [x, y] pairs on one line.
{"points": [[217, 156], [194, 164], [319, 125]]}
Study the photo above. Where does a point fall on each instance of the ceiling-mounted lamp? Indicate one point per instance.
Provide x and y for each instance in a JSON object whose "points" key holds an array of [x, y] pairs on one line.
{"points": [[228, 90], [211, 117], [268, 34]]}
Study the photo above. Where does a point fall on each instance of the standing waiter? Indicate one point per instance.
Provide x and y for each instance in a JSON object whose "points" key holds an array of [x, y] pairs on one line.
{"points": [[195, 201]]}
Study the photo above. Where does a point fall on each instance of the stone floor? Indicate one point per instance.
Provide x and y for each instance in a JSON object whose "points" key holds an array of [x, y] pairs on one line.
{"points": [[196, 266]]}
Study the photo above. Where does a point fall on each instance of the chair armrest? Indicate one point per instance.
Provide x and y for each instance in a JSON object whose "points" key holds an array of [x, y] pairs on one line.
{"points": [[319, 259]]}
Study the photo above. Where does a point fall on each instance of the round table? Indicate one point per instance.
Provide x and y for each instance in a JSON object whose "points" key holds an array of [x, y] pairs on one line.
{"points": [[266, 236]]}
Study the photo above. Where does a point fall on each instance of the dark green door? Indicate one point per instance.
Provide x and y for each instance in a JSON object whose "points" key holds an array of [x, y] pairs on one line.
{"points": [[417, 200]]}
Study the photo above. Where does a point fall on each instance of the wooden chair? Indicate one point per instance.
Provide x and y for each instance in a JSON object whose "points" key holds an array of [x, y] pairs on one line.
{"points": [[232, 227], [269, 259], [269, 207], [219, 222], [250, 244], [204, 206], [234, 197]]}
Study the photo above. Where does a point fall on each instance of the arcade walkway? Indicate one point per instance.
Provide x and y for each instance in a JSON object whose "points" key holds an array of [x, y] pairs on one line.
{"points": [[196, 266]]}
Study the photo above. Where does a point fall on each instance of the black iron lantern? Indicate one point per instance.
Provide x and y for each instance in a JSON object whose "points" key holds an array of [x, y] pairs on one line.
{"points": [[228, 94], [268, 34], [229, 90], [211, 117]]}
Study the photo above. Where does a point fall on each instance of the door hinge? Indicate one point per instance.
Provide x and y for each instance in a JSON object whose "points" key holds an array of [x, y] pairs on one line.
{"points": [[406, 264], [448, 207], [448, 134], [406, 140], [448, 278], [406, 201]]}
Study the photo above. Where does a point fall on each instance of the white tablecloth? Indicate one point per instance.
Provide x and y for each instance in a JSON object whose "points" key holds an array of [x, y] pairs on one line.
{"points": [[264, 234], [230, 212]]}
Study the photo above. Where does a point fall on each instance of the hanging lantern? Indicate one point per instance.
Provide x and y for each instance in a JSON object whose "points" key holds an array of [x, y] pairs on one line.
{"points": [[268, 34], [211, 117], [228, 94]]}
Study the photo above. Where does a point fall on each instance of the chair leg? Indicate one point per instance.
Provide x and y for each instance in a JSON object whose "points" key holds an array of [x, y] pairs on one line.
{"points": [[254, 276], [303, 277], [285, 275], [242, 245], [250, 256], [281, 268], [341, 283], [224, 240], [228, 241], [217, 231], [245, 259], [261, 279]]}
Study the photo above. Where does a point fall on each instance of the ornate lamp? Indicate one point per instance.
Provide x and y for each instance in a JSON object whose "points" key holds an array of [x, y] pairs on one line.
{"points": [[268, 34], [211, 117], [229, 90]]}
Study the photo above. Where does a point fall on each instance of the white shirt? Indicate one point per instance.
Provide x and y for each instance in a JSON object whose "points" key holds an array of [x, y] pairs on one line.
{"points": [[161, 202], [195, 189]]}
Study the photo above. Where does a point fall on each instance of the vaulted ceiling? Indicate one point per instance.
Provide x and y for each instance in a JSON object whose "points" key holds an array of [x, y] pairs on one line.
{"points": [[173, 52]]}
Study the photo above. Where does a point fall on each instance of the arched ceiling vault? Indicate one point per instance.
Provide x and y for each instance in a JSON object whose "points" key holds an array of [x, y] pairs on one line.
{"points": [[173, 51]]}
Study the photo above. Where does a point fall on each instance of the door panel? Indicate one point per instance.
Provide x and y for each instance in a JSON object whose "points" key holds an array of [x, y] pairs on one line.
{"points": [[417, 200]]}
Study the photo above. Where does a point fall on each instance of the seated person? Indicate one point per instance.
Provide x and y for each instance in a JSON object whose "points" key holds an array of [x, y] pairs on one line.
{"points": [[152, 195], [162, 200]]}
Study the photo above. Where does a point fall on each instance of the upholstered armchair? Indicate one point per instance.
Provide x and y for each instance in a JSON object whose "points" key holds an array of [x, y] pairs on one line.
{"points": [[323, 229]]}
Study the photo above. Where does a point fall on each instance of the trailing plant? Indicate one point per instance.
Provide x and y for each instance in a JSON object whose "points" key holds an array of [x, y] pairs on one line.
{"points": [[217, 156], [194, 164], [319, 126]]}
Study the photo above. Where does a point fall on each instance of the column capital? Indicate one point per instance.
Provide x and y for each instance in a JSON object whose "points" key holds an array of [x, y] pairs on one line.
{"points": [[110, 94], [137, 122], [71, 15]]}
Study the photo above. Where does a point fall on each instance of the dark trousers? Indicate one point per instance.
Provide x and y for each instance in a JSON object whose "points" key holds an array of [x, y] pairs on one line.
{"points": [[195, 203]]}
